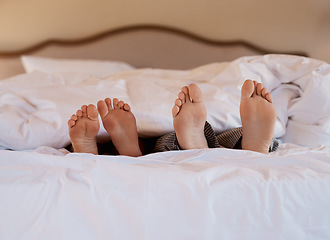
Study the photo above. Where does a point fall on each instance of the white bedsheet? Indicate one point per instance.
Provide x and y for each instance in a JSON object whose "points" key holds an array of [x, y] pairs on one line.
{"points": [[195, 194], [35, 107]]}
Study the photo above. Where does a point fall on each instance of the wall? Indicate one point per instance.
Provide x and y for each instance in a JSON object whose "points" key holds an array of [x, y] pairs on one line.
{"points": [[285, 25]]}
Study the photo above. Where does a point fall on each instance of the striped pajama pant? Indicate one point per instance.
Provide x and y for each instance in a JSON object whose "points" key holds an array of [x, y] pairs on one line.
{"points": [[228, 139]]}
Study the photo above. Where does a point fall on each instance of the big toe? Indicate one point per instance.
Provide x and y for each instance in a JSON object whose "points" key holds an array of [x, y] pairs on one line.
{"points": [[102, 108], [195, 93], [92, 112], [248, 89]]}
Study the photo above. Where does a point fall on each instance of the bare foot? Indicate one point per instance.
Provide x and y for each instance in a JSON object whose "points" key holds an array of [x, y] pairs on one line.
{"points": [[83, 128], [189, 116], [258, 117], [120, 123]]}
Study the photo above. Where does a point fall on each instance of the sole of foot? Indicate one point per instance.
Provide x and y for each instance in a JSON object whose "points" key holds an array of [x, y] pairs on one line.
{"points": [[120, 123], [83, 128], [258, 117], [189, 116]]}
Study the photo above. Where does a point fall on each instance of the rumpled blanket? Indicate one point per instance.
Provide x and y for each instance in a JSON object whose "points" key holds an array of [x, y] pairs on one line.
{"points": [[35, 107]]}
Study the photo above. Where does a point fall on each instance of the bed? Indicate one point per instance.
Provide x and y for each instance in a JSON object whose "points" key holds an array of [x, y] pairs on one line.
{"points": [[48, 192]]}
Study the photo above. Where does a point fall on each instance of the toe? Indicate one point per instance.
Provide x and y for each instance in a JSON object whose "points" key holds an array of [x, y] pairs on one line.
{"points": [[115, 103], [255, 83], [71, 123], [175, 111], [182, 97], [92, 112], [185, 90], [79, 113], [102, 108], [108, 103], [248, 89], [178, 102], [121, 104], [195, 93], [84, 110], [264, 92], [126, 107], [269, 97], [259, 88], [74, 117]]}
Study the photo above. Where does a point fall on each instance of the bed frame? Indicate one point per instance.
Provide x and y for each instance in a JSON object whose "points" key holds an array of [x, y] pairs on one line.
{"points": [[141, 46]]}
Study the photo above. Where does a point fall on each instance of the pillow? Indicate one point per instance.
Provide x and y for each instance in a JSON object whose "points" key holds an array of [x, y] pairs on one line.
{"points": [[93, 67], [10, 67]]}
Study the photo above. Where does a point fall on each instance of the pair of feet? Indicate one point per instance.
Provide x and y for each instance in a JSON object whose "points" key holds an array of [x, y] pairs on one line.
{"points": [[258, 117], [118, 121]]}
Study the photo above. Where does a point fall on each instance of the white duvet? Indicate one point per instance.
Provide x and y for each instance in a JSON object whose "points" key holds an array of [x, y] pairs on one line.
{"points": [[35, 107], [195, 194], [46, 193]]}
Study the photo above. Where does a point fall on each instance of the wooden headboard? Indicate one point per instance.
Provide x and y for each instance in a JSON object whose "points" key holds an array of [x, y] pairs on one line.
{"points": [[141, 46]]}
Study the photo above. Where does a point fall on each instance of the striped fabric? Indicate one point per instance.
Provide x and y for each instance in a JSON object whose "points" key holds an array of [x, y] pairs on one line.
{"points": [[228, 139], [169, 142]]}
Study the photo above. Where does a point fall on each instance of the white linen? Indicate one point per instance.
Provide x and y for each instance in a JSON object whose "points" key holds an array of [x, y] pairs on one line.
{"points": [[55, 65], [35, 107], [195, 194]]}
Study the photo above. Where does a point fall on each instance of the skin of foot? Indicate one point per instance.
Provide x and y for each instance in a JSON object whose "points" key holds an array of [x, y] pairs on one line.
{"points": [[120, 123], [83, 128], [258, 117], [189, 116]]}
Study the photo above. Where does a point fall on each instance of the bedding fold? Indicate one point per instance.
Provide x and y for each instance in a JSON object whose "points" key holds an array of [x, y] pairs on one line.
{"points": [[300, 87]]}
